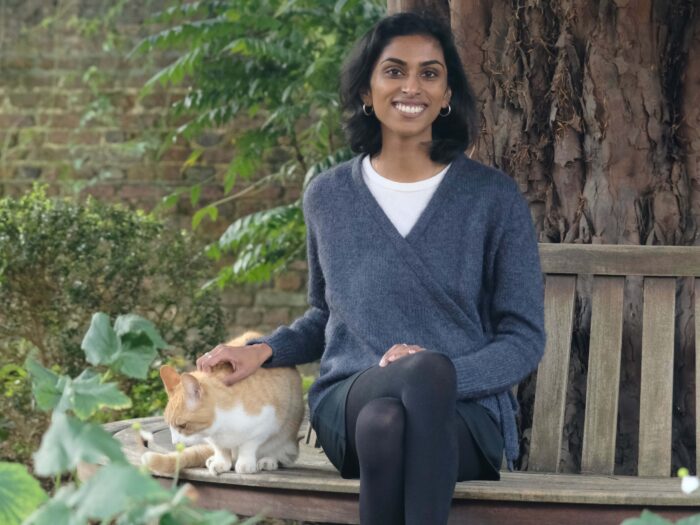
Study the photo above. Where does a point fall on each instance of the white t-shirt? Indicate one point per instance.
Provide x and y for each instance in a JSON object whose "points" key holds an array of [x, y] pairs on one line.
{"points": [[402, 202]]}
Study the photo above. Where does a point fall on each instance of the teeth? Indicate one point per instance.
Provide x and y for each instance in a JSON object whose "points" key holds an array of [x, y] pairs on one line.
{"points": [[409, 109]]}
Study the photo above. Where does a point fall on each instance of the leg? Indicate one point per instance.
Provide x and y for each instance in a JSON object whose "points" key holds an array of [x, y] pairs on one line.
{"points": [[379, 439], [425, 384], [220, 462]]}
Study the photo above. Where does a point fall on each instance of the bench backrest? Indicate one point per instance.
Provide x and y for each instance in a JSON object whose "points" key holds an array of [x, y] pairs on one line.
{"points": [[609, 264]]}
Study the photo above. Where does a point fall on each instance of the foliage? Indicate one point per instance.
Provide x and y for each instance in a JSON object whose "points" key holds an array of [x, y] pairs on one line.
{"points": [[118, 493], [20, 493], [61, 260], [275, 63], [649, 518]]}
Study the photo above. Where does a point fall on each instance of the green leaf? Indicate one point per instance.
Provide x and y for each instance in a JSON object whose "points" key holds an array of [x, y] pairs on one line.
{"points": [[45, 384], [20, 493], [135, 323], [100, 343], [195, 194], [69, 441], [86, 394], [208, 211], [647, 518], [56, 511], [136, 355], [114, 489]]}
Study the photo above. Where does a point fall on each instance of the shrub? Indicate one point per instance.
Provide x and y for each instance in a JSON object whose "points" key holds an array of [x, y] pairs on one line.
{"points": [[61, 260]]}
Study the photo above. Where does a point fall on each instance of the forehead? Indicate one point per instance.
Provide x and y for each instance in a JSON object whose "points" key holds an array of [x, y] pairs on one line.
{"points": [[413, 48]]}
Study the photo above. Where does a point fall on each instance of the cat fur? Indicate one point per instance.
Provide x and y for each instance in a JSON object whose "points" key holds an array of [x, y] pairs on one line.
{"points": [[251, 425]]}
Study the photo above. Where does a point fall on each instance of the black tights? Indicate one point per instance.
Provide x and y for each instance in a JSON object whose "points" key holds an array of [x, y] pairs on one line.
{"points": [[406, 441]]}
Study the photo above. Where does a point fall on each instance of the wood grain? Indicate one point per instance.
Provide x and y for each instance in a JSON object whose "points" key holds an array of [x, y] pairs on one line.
{"points": [[603, 380], [656, 396], [552, 374], [616, 259]]}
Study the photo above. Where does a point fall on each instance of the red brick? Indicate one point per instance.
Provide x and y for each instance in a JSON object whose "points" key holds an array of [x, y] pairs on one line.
{"points": [[275, 316], [60, 121], [176, 154], [16, 120], [289, 282], [219, 155], [65, 136], [102, 191]]}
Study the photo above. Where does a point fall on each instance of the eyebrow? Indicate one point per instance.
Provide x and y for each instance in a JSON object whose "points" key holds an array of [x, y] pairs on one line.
{"points": [[422, 64]]}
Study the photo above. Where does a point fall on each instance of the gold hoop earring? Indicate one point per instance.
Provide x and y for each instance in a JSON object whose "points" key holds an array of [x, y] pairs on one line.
{"points": [[449, 110], [364, 110]]}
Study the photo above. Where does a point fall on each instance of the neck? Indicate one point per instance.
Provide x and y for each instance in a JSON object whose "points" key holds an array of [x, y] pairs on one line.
{"points": [[405, 161]]}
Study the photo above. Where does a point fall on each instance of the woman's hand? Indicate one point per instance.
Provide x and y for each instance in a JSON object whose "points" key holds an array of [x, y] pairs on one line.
{"points": [[244, 360], [399, 351]]}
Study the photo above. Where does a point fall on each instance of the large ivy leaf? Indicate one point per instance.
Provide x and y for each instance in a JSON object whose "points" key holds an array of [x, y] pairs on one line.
{"points": [[131, 323], [86, 394], [47, 386], [100, 343], [128, 348], [20, 493], [115, 489], [69, 441], [57, 510]]}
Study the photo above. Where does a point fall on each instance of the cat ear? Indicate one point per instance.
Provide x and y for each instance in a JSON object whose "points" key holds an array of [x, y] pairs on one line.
{"points": [[193, 390], [170, 378]]}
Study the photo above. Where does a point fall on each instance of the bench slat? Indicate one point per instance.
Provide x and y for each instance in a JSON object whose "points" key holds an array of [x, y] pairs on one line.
{"points": [[656, 397], [616, 259], [603, 381], [552, 374], [697, 374]]}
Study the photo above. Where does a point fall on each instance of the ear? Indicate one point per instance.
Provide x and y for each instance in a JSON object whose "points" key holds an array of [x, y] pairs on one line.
{"points": [[366, 97], [193, 390], [170, 378], [448, 96]]}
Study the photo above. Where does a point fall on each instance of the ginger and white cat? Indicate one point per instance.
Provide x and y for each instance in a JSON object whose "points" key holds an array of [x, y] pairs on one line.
{"points": [[251, 425]]}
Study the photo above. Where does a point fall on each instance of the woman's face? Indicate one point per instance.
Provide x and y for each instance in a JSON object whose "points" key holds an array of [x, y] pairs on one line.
{"points": [[408, 87]]}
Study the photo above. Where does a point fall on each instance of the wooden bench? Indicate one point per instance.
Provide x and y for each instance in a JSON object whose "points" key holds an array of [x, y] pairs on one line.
{"points": [[314, 491]]}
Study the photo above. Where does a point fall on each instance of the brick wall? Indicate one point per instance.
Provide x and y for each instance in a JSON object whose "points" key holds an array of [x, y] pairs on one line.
{"points": [[70, 111]]}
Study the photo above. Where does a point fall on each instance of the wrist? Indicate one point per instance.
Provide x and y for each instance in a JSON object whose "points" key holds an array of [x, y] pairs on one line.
{"points": [[265, 352]]}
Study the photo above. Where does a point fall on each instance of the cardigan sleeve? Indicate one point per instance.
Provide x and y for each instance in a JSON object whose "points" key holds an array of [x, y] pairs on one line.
{"points": [[516, 312], [302, 341]]}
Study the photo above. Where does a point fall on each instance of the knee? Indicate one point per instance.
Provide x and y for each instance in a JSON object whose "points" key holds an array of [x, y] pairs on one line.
{"points": [[429, 369], [379, 427]]}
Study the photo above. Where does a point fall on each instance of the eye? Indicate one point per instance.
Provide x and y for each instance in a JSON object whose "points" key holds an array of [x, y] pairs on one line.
{"points": [[430, 73], [393, 71]]}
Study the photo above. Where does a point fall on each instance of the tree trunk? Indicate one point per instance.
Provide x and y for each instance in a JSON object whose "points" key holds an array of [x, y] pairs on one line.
{"points": [[593, 107]]}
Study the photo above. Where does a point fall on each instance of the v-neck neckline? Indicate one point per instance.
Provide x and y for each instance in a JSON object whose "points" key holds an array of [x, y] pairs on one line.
{"points": [[438, 197]]}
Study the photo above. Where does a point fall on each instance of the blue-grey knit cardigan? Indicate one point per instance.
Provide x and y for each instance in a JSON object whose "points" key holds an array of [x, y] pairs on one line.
{"points": [[465, 282]]}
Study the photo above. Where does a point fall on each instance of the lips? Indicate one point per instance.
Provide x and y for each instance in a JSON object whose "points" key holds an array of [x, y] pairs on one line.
{"points": [[409, 109]]}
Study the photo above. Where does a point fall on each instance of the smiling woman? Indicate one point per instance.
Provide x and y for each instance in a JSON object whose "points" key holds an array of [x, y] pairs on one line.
{"points": [[425, 289]]}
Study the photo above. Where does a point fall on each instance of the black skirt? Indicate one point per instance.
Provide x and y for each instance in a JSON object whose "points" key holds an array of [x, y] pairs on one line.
{"points": [[329, 423]]}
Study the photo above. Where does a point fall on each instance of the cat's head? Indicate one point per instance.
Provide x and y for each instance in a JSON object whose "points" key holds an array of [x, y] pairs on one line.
{"points": [[191, 405]]}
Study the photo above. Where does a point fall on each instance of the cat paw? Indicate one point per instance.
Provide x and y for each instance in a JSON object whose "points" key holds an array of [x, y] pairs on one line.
{"points": [[244, 466], [152, 461], [267, 464], [217, 465]]}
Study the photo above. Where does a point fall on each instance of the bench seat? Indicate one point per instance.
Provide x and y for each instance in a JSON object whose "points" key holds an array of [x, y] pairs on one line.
{"points": [[313, 490]]}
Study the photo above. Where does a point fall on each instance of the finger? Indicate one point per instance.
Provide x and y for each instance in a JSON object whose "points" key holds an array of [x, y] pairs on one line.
{"points": [[232, 378]]}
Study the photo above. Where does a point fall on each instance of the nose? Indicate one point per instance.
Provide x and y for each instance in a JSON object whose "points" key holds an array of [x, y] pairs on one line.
{"points": [[411, 85]]}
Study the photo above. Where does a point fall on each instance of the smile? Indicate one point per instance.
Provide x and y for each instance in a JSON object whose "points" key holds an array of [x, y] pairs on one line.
{"points": [[411, 109]]}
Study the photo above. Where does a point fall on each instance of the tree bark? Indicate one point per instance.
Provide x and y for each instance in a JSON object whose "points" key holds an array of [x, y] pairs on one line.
{"points": [[593, 107]]}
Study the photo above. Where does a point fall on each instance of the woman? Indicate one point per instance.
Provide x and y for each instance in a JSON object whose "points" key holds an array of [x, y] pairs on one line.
{"points": [[424, 285]]}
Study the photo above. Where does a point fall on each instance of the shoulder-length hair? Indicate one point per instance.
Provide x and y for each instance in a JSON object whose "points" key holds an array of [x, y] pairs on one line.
{"points": [[452, 134]]}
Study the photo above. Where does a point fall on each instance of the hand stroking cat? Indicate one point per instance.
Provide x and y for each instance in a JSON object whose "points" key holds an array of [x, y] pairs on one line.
{"points": [[251, 425]]}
